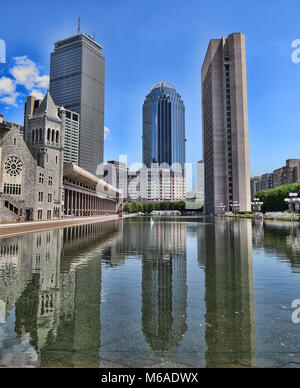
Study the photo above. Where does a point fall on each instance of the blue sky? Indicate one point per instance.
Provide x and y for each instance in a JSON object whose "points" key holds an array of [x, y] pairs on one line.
{"points": [[149, 41]]}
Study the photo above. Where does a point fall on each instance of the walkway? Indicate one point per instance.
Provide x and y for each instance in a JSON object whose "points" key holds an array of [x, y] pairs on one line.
{"points": [[16, 229]]}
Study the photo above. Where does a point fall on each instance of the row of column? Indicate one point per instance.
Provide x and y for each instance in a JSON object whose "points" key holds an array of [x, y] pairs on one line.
{"points": [[80, 204]]}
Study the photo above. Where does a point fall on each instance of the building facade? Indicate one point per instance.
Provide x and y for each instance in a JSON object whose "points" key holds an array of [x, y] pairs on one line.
{"points": [[255, 184], [200, 180], [163, 127], [160, 184], [71, 127], [32, 170], [116, 174], [11, 125], [225, 124], [77, 82], [36, 184]]}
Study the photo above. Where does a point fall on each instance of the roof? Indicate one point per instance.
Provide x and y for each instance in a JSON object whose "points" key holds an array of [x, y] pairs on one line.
{"points": [[78, 174], [163, 84], [47, 109]]}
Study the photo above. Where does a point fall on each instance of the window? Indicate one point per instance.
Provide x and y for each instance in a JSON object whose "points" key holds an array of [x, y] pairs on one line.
{"points": [[41, 178], [52, 136], [57, 137], [48, 214], [41, 196], [15, 141], [12, 189], [49, 198], [50, 181], [32, 137], [48, 135], [56, 159], [40, 214]]}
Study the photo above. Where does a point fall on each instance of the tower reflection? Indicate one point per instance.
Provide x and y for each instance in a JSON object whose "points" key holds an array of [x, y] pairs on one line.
{"points": [[225, 251], [54, 280], [164, 287]]}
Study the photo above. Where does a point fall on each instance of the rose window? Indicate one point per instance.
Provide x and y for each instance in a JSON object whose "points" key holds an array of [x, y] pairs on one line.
{"points": [[13, 166]]}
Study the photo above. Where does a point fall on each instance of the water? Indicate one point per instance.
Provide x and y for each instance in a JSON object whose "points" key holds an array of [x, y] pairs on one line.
{"points": [[184, 292]]}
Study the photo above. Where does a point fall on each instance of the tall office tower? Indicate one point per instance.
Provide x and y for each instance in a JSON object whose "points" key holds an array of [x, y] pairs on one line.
{"points": [[225, 124], [77, 81], [163, 126]]}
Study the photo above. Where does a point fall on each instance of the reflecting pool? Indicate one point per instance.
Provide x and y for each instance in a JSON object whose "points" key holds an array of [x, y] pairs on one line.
{"points": [[182, 292]]}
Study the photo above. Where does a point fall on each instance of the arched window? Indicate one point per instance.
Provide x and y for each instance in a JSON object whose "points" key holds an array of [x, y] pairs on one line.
{"points": [[53, 135], [32, 138], [57, 137], [48, 135], [41, 135], [36, 135]]}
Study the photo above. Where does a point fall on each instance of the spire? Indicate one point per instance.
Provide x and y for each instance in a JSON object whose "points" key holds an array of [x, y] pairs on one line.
{"points": [[47, 108], [78, 23]]}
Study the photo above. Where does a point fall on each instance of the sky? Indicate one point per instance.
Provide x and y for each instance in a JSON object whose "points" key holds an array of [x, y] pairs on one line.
{"points": [[149, 41]]}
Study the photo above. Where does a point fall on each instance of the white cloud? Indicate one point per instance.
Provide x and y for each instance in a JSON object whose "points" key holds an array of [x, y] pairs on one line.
{"points": [[37, 94], [8, 91], [26, 73], [7, 86], [11, 99], [106, 133]]}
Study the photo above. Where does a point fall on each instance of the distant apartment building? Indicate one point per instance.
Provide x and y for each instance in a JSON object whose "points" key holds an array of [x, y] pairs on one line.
{"points": [[10, 124], [159, 184], [200, 180], [267, 181], [156, 185], [116, 174], [290, 173], [255, 184], [225, 124]]}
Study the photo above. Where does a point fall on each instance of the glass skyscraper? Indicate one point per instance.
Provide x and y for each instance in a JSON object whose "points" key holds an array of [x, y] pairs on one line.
{"points": [[77, 82], [163, 127]]}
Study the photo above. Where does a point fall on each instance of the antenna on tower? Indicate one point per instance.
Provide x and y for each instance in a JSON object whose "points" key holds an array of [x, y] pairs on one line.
{"points": [[79, 23]]}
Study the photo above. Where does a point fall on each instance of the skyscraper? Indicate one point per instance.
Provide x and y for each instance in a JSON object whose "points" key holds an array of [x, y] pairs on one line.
{"points": [[225, 124], [163, 126], [77, 82]]}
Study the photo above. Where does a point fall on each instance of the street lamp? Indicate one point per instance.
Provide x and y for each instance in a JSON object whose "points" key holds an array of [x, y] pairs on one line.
{"points": [[235, 206], [222, 208], [293, 202], [256, 205]]}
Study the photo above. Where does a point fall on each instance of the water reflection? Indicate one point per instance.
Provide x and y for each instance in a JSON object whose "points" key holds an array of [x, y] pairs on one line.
{"points": [[282, 238], [57, 298], [226, 255], [124, 291]]}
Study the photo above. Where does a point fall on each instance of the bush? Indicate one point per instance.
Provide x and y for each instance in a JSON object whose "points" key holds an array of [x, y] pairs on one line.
{"points": [[148, 207], [245, 212], [274, 199]]}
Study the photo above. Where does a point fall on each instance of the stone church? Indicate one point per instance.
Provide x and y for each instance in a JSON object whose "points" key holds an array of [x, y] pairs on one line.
{"points": [[31, 169]]}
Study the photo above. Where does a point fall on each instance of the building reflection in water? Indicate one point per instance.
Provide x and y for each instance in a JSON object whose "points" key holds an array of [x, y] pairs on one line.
{"points": [[54, 280], [164, 288], [162, 249], [283, 239], [225, 252]]}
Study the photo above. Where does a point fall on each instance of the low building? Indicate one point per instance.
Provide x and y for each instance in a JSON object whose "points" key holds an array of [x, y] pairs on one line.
{"points": [[10, 125], [116, 174], [161, 184], [34, 179], [255, 184]]}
